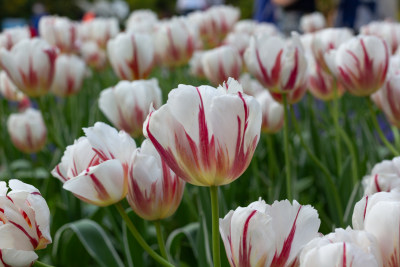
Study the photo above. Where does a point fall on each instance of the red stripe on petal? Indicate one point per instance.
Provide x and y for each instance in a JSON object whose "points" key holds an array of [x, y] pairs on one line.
{"points": [[365, 208], [99, 187], [377, 183], [244, 252], [344, 262], [293, 75], [2, 260], [33, 241]]}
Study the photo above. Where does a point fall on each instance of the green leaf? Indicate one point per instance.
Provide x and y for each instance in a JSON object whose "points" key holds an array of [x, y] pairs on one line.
{"points": [[94, 240]]}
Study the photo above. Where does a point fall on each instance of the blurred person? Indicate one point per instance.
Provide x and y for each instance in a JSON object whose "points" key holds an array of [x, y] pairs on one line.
{"points": [[291, 12], [264, 11]]}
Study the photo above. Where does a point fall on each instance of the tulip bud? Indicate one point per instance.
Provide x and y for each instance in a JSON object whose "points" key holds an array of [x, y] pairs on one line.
{"points": [[127, 104], [195, 64], [155, 192], [207, 136], [27, 130], [93, 55], [250, 86], [8, 89], [221, 63], [387, 30], [30, 64], [142, 20], [60, 32], [70, 72], [131, 55], [272, 112], [25, 223], [312, 22], [99, 30], [268, 235], [360, 64], [240, 41], [10, 37], [95, 167], [279, 66]]}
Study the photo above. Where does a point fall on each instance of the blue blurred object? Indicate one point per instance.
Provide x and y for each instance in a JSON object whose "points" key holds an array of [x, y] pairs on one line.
{"points": [[264, 11], [7, 23]]}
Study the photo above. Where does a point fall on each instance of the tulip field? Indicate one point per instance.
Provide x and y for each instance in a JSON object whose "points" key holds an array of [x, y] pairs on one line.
{"points": [[199, 140]]}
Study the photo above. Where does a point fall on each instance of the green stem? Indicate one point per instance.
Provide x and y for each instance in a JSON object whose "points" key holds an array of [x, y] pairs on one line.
{"points": [[332, 187], [41, 264], [160, 239], [289, 193], [396, 136], [350, 147], [273, 166], [335, 115], [378, 129], [139, 238], [215, 225]]}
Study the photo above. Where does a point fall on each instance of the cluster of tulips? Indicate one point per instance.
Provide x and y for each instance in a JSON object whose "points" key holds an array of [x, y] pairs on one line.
{"points": [[203, 135]]}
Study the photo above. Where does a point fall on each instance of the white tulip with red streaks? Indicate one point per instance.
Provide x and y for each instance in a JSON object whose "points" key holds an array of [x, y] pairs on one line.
{"points": [[8, 89], [206, 135], [60, 32]]}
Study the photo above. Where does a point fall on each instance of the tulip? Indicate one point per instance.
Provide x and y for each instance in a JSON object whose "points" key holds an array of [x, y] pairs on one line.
{"points": [[95, 167], [223, 18], [321, 84], [131, 55], [312, 22], [25, 223], [70, 72], [60, 32], [155, 192], [268, 235], [327, 40], [93, 55], [388, 31], [246, 26], [10, 37], [292, 97], [379, 214], [27, 130], [279, 66], [175, 41], [221, 63], [250, 86], [360, 64], [195, 64], [272, 112], [238, 40], [267, 29], [99, 30], [30, 64], [142, 20], [127, 104], [344, 247], [384, 177], [8, 89], [202, 149]]}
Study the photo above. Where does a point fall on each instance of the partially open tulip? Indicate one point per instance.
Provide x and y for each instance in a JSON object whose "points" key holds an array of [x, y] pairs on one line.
{"points": [[379, 214], [10, 37], [93, 55], [70, 72], [31, 65], [60, 32], [221, 63], [127, 104], [272, 112], [142, 20], [344, 247], [27, 130], [95, 167], [131, 55], [280, 66], [207, 136], [8, 89], [312, 22], [360, 64], [175, 41], [155, 191], [223, 18], [268, 235], [387, 99], [238, 40], [246, 26], [321, 84], [99, 30], [327, 40], [24, 223], [384, 177], [387, 30]]}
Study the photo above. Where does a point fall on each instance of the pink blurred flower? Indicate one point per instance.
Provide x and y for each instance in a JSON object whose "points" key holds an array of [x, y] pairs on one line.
{"points": [[93, 55], [27, 130], [59, 32], [155, 191], [207, 136], [31, 65], [99, 30], [127, 104], [131, 55]]}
